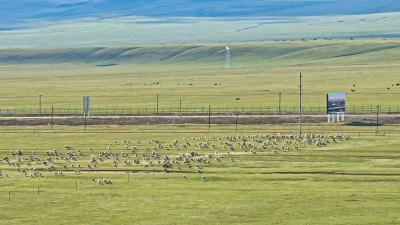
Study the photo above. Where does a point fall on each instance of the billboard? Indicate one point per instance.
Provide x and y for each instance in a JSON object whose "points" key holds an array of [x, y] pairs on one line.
{"points": [[335, 103]]}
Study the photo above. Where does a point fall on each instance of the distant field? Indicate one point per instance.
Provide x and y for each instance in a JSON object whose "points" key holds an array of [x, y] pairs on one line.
{"points": [[349, 182], [131, 77], [255, 26]]}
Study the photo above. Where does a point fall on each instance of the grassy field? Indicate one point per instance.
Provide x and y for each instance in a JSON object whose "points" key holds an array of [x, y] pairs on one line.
{"points": [[133, 30], [349, 182], [131, 77]]}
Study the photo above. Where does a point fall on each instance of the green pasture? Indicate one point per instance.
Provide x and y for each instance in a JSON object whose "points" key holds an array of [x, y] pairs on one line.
{"points": [[130, 77], [131, 30], [349, 182]]}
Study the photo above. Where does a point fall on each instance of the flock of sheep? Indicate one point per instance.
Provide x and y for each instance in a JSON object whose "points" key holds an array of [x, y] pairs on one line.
{"points": [[188, 155]]}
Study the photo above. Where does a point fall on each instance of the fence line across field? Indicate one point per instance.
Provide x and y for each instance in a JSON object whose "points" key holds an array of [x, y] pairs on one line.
{"points": [[194, 110]]}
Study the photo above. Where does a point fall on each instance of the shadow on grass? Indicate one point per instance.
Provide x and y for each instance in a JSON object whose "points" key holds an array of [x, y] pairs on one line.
{"points": [[363, 124]]}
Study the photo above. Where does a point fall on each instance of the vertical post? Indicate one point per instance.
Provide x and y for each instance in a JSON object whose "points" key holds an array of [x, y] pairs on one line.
{"points": [[180, 110], [300, 105], [76, 185], [52, 114], [228, 56], [377, 117], [209, 116], [157, 103], [40, 104], [237, 115], [128, 176], [38, 191], [180, 105], [279, 106], [85, 121]]}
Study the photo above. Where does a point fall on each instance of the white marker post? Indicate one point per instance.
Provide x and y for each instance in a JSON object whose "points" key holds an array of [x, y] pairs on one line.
{"points": [[86, 106]]}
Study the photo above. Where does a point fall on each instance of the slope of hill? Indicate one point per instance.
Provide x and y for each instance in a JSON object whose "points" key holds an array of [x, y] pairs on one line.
{"points": [[22, 13], [311, 52]]}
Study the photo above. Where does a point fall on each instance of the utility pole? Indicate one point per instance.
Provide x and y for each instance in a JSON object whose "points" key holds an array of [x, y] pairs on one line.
{"points": [[279, 108], [157, 103], [40, 104], [237, 115], [52, 115], [209, 117], [300, 76], [377, 117], [180, 110], [180, 105]]}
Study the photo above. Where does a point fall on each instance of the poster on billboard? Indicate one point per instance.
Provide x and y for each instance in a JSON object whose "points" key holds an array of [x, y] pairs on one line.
{"points": [[335, 103]]}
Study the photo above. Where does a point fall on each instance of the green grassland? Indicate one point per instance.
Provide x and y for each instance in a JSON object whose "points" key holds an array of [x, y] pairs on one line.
{"points": [[349, 182], [130, 30], [125, 77]]}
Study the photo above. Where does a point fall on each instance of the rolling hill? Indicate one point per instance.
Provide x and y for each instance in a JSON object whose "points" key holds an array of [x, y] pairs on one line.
{"points": [[62, 23], [308, 52]]}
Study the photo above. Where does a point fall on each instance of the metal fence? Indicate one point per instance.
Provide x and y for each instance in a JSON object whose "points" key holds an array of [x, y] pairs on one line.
{"points": [[193, 110]]}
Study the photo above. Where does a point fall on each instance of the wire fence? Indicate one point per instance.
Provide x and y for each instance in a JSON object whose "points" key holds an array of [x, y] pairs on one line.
{"points": [[193, 110]]}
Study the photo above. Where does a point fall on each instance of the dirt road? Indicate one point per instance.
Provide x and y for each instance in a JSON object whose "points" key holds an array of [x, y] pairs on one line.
{"points": [[195, 119]]}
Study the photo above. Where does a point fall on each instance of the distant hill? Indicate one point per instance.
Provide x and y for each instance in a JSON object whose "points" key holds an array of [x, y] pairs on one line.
{"points": [[310, 52], [17, 13]]}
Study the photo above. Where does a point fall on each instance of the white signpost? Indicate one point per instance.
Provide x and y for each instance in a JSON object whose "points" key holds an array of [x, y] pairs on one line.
{"points": [[86, 106]]}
